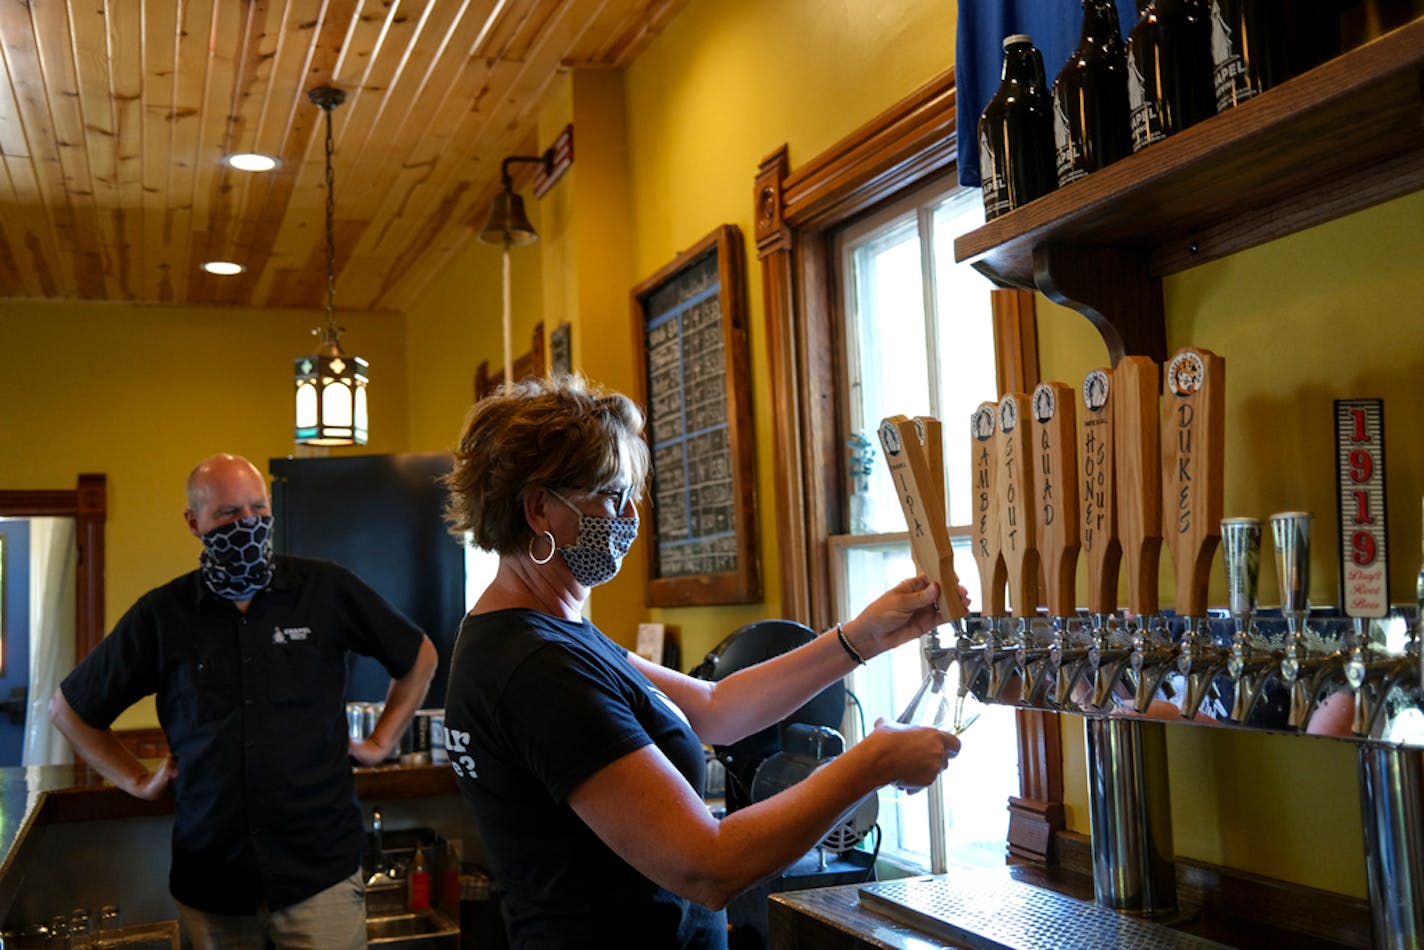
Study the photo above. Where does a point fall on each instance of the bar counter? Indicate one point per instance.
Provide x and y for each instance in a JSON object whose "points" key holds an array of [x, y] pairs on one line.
{"points": [[34, 797], [837, 918]]}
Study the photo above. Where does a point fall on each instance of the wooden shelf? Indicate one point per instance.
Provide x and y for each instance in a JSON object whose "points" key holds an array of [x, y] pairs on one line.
{"points": [[1344, 136]]}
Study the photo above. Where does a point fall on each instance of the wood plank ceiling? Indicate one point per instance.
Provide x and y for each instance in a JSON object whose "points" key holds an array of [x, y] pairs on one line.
{"points": [[116, 115]]}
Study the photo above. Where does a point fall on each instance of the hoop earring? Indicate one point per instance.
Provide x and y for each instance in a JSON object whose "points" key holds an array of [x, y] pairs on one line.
{"points": [[553, 546]]}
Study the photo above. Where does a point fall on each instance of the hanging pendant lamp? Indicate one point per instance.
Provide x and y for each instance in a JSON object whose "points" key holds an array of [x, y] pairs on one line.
{"points": [[331, 386]]}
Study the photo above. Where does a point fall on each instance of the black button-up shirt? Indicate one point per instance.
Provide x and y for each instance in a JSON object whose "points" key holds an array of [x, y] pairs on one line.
{"points": [[254, 711]]}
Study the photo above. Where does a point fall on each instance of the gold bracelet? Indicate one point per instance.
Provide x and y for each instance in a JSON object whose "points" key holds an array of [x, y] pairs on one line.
{"points": [[850, 650]]}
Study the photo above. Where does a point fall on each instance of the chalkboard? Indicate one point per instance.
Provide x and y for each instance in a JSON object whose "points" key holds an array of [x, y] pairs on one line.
{"points": [[690, 330]]}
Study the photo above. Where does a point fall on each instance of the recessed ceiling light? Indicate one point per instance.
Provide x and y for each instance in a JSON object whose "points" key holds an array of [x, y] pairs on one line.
{"points": [[251, 162], [223, 268]]}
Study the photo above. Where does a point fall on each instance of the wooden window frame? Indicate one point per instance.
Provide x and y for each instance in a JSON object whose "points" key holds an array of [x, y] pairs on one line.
{"points": [[795, 214]]}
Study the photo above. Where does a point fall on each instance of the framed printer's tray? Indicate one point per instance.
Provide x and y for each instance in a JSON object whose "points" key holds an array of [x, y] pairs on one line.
{"points": [[689, 323]]}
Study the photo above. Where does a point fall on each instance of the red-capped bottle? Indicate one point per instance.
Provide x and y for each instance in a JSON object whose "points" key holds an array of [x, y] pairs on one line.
{"points": [[418, 883], [1090, 117], [1016, 132]]}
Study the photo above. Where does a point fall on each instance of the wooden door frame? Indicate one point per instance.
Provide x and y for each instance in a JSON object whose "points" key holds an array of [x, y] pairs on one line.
{"points": [[87, 504], [796, 212]]}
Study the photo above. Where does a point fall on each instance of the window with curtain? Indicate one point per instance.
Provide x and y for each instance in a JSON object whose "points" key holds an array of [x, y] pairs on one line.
{"points": [[918, 340]]}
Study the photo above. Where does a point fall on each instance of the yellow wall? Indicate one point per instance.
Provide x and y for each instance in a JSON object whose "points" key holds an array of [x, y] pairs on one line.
{"points": [[143, 393]]}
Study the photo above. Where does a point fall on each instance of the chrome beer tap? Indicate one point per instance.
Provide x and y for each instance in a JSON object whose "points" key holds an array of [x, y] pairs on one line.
{"points": [[1153, 657], [1068, 646], [1199, 660], [1404, 671], [1109, 653]]}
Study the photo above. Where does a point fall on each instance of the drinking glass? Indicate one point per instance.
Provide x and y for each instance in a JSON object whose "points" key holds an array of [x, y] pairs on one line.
{"points": [[111, 925], [944, 700]]}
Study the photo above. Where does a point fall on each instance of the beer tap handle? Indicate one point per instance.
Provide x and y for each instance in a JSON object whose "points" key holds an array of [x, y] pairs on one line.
{"points": [[1193, 444], [1291, 532], [984, 532], [1138, 459], [1014, 488], [1097, 483], [922, 500], [1241, 556], [1054, 440]]}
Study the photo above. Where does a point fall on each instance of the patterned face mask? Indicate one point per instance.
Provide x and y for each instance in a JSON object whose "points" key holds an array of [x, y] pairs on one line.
{"points": [[237, 557], [602, 544]]}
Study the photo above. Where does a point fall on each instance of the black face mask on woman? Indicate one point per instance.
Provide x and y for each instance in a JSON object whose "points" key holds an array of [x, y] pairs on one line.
{"points": [[602, 543], [237, 557]]}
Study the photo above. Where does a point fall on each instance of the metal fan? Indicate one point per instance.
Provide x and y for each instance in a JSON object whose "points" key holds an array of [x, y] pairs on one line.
{"points": [[805, 749]]}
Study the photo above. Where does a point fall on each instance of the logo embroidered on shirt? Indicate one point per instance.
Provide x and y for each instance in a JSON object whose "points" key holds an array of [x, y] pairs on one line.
{"points": [[281, 635]]}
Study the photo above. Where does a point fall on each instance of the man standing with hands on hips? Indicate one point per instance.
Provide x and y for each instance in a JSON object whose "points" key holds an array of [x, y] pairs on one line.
{"points": [[247, 658]]}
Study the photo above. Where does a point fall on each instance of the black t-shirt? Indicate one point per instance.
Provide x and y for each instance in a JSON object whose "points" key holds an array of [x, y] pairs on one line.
{"points": [[253, 707], [535, 705]]}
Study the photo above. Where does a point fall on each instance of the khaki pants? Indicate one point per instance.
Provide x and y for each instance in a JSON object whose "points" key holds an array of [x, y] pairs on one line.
{"points": [[333, 918]]}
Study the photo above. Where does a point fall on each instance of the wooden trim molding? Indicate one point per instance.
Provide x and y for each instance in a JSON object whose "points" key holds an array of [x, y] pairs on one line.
{"points": [[794, 212], [1015, 341], [87, 504], [1036, 815]]}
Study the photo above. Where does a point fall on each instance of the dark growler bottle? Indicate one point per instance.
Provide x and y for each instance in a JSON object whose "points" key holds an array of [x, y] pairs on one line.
{"points": [[1016, 132], [1247, 49], [1169, 84], [1090, 120]]}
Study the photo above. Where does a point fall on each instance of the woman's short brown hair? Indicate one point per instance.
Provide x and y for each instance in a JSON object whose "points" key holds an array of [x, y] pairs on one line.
{"points": [[539, 433]]}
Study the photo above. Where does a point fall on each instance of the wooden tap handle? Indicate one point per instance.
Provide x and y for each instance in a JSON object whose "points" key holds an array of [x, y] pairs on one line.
{"points": [[1193, 445], [1014, 489], [931, 436], [929, 536], [1097, 494], [984, 530], [1055, 468], [1138, 455]]}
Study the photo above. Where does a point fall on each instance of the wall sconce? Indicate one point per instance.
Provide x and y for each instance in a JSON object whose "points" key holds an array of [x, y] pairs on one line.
{"points": [[331, 387]]}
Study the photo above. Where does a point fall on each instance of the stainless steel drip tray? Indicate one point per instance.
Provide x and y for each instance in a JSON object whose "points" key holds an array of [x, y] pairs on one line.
{"points": [[990, 910]]}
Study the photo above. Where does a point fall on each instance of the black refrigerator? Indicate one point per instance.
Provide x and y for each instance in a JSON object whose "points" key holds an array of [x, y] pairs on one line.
{"points": [[381, 517]]}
